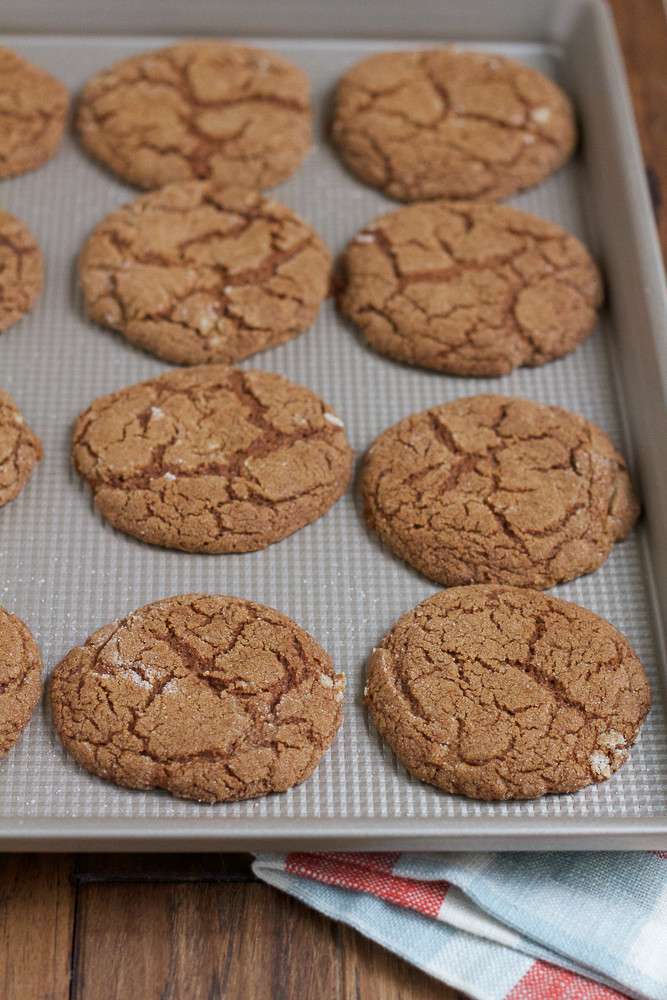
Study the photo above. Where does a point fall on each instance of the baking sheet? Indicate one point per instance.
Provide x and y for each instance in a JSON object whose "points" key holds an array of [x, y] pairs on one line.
{"points": [[66, 572]]}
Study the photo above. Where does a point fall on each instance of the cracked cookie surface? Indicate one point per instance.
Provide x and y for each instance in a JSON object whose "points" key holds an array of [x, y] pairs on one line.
{"points": [[33, 109], [197, 272], [20, 678], [198, 110], [210, 697], [445, 123], [21, 269], [212, 459], [506, 693], [469, 288], [20, 448], [494, 489]]}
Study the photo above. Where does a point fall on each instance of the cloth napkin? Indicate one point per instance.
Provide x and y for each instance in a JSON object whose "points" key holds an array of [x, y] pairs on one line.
{"points": [[516, 926]]}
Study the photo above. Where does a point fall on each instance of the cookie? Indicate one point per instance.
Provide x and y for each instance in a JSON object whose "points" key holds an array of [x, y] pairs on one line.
{"points": [[20, 678], [212, 459], [198, 110], [20, 448], [198, 272], [210, 697], [446, 123], [469, 287], [21, 270], [506, 693], [33, 109], [490, 489]]}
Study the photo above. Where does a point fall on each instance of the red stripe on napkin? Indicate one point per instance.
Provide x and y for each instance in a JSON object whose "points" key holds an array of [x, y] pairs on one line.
{"points": [[546, 982], [370, 873]]}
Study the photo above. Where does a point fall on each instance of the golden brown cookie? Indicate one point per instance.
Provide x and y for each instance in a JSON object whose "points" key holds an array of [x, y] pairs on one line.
{"points": [[204, 109], [20, 678], [198, 272], [212, 459], [33, 109], [446, 123], [469, 287], [506, 693], [20, 448], [491, 489], [213, 698], [21, 271]]}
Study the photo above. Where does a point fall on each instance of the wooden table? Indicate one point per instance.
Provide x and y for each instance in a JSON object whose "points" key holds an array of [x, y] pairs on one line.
{"points": [[201, 927]]}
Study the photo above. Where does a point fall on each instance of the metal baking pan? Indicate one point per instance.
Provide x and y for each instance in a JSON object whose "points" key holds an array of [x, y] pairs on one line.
{"points": [[66, 572]]}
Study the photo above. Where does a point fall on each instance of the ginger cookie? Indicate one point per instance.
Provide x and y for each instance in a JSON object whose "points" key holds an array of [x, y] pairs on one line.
{"points": [[197, 272], [21, 270], [445, 123], [198, 110], [20, 448], [33, 109], [212, 698], [490, 489], [212, 459], [506, 693], [20, 678], [469, 287]]}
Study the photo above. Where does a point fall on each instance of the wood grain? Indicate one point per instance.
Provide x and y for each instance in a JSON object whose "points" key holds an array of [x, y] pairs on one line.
{"points": [[641, 26], [200, 941], [243, 938], [37, 901]]}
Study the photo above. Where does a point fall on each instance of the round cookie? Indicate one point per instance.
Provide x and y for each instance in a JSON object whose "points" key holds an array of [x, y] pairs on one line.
{"points": [[20, 448], [469, 287], [212, 698], [20, 678], [197, 272], [491, 489], [506, 693], [212, 459], [198, 110], [21, 270], [33, 109], [447, 123]]}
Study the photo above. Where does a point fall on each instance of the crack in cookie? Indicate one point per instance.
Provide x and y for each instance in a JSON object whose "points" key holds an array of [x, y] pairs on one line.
{"points": [[198, 110], [197, 272], [213, 698], [21, 269], [20, 678], [444, 123], [506, 693], [33, 109], [494, 489], [469, 288], [20, 449], [212, 459]]}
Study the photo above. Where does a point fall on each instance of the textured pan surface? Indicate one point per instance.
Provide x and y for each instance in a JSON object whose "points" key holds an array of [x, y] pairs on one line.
{"points": [[66, 572]]}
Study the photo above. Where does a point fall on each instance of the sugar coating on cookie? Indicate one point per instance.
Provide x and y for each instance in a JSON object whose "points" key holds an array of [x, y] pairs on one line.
{"points": [[199, 272], [469, 287], [204, 109], [448, 123], [20, 678], [33, 109], [21, 269], [506, 693], [497, 489], [210, 697], [20, 449], [212, 459]]}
